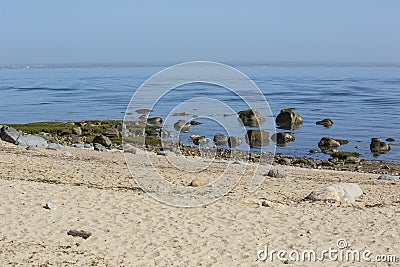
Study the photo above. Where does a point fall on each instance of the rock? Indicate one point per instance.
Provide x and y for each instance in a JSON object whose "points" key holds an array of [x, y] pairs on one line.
{"points": [[390, 140], [387, 177], [143, 111], [9, 134], [284, 161], [102, 140], [31, 140], [182, 125], [195, 123], [342, 141], [377, 146], [257, 138], [87, 145], [128, 148], [200, 140], [288, 119], [151, 132], [77, 130], [54, 146], [327, 144], [325, 122], [251, 118], [220, 139], [67, 154], [32, 148], [313, 151], [352, 159], [81, 233], [165, 153], [155, 120], [282, 138], [341, 192], [99, 147], [78, 145], [197, 182], [50, 206], [112, 132], [277, 173], [164, 133], [180, 114], [234, 141]]}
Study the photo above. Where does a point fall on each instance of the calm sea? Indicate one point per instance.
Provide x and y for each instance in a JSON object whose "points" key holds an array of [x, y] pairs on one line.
{"points": [[363, 102]]}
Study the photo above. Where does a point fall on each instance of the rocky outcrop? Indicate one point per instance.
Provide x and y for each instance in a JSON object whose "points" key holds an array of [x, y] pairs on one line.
{"points": [[325, 122], [377, 146], [282, 139], [257, 138], [220, 139], [288, 119], [251, 118]]}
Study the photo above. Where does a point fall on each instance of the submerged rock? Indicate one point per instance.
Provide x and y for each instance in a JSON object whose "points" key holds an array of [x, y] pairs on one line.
{"points": [[257, 138], [182, 125], [282, 138], [377, 146], [325, 122], [288, 119], [251, 118], [390, 140]]}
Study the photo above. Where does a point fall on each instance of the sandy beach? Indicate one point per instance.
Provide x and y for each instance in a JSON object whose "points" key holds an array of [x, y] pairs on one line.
{"points": [[95, 192]]}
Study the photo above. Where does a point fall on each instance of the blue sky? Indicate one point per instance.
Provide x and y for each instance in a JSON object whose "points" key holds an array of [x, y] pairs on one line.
{"points": [[97, 31]]}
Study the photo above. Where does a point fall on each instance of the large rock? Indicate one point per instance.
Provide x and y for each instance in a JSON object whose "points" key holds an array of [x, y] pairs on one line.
{"points": [[220, 139], [251, 118], [341, 192], [325, 122], [257, 138], [377, 146], [155, 120], [14, 136], [102, 140], [282, 138], [182, 125], [288, 119], [277, 173], [328, 144], [234, 141]]}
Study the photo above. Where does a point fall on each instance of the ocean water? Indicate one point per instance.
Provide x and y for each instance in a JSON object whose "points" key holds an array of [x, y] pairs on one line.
{"points": [[363, 102]]}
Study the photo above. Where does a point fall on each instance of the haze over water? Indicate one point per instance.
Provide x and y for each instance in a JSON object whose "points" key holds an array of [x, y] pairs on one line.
{"points": [[363, 102]]}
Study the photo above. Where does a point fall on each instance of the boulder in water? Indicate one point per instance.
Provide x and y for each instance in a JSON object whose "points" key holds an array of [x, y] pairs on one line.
{"points": [[251, 118], [288, 119]]}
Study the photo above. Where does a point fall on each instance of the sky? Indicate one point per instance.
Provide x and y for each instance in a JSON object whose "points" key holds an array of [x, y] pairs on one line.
{"points": [[259, 31]]}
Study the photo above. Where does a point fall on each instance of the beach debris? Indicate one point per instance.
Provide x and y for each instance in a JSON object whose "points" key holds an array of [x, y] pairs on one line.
{"points": [[377, 146], [197, 182], [50, 206], [155, 120], [327, 123], [340, 192], [390, 140], [182, 125], [277, 173], [67, 154], [282, 139], [287, 119], [257, 138], [270, 204], [54, 146], [80, 233], [220, 139], [234, 141], [387, 177], [100, 148], [16, 137], [251, 118], [102, 140]]}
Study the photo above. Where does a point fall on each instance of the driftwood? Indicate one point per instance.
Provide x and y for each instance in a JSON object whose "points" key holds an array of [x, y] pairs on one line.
{"points": [[81, 233]]}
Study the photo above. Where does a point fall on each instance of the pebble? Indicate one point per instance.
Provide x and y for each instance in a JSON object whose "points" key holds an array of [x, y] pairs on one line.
{"points": [[50, 206], [196, 182]]}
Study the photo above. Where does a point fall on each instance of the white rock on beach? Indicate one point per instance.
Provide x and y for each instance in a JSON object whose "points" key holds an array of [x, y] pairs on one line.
{"points": [[341, 192]]}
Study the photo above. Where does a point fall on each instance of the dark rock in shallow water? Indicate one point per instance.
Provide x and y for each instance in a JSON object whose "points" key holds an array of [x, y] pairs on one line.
{"points": [[251, 118], [325, 122], [143, 111], [102, 140], [327, 144], [195, 123], [288, 119], [164, 133], [390, 140], [234, 141], [99, 147], [155, 120], [387, 177], [257, 138], [377, 146], [200, 140], [313, 151], [282, 138], [220, 139], [182, 125]]}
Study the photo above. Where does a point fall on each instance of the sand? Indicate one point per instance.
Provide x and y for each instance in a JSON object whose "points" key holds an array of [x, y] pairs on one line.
{"points": [[95, 192]]}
